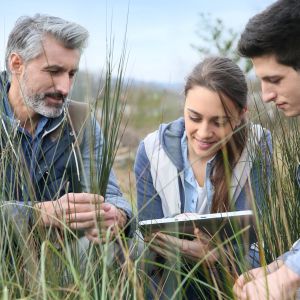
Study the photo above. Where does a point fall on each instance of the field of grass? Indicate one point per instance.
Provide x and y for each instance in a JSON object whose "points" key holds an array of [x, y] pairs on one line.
{"points": [[47, 264]]}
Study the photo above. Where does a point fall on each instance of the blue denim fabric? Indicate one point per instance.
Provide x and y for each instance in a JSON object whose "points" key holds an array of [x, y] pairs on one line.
{"points": [[292, 258], [190, 185]]}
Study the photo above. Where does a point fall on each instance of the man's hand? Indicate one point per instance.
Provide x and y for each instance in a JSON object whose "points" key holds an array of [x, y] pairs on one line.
{"points": [[83, 211], [77, 210], [111, 218], [281, 283], [195, 250]]}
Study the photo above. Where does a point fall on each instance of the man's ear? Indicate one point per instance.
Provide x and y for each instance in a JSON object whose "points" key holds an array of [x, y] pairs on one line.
{"points": [[16, 64]]}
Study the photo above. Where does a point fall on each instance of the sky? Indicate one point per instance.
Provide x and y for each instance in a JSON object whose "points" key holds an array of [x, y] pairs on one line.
{"points": [[159, 32]]}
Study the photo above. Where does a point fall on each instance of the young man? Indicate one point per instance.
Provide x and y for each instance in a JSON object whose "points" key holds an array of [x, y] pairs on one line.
{"points": [[272, 40], [41, 166]]}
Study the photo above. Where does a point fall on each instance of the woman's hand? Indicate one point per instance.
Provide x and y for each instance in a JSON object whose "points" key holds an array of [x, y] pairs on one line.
{"points": [[199, 248]]}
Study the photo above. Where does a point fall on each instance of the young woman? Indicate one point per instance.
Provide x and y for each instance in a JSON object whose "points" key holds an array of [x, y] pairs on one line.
{"points": [[208, 161]]}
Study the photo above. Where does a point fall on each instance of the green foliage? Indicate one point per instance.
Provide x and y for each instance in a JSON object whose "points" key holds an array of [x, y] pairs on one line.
{"points": [[147, 107], [216, 39]]}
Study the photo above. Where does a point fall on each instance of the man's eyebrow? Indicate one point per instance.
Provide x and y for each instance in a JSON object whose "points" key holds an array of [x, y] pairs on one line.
{"points": [[59, 68]]}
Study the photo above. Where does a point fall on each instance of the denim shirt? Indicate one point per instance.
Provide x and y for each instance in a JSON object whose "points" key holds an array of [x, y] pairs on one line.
{"points": [[30, 144], [190, 184]]}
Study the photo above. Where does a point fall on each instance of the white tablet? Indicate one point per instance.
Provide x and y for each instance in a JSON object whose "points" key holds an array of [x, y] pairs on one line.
{"points": [[222, 224]]}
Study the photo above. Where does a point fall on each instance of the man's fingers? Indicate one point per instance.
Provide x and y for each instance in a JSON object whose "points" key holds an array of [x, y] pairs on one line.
{"points": [[81, 217], [238, 287], [106, 206], [87, 221], [82, 225], [83, 198], [93, 239]]}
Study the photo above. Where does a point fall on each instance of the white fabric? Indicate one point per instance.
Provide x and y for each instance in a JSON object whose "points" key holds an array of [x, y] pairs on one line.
{"points": [[165, 175], [202, 202]]}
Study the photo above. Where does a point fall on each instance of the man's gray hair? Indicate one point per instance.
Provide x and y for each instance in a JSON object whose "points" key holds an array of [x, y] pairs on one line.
{"points": [[27, 35]]}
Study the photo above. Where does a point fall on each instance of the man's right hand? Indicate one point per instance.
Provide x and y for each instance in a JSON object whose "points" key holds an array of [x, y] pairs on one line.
{"points": [[77, 210]]}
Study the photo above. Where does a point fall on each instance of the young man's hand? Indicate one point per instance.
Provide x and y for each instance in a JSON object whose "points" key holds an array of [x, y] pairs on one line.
{"points": [[280, 283]]}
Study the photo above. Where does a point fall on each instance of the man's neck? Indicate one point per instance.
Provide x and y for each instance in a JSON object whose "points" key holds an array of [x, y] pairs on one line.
{"points": [[27, 117]]}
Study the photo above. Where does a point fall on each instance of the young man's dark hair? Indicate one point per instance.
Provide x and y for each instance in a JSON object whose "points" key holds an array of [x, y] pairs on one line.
{"points": [[272, 40], [276, 31]]}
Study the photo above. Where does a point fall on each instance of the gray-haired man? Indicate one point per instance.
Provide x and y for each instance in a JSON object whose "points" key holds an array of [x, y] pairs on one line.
{"points": [[42, 169]]}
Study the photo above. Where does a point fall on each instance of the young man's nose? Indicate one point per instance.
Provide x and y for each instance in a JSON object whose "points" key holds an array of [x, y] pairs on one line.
{"points": [[268, 92]]}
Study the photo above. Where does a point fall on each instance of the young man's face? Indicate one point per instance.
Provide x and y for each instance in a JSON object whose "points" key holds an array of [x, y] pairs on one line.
{"points": [[279, 83], [45, 81]]}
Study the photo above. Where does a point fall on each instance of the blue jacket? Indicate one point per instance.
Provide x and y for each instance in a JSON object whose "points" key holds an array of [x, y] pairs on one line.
{"points": [[148, 200], [55, 166]]}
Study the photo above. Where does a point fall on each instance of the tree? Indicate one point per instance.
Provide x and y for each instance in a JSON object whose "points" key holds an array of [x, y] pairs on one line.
{"points": [[217, 39]]}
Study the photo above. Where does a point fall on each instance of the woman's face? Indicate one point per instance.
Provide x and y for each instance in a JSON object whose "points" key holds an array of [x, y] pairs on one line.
{"points": [[206, 122]]}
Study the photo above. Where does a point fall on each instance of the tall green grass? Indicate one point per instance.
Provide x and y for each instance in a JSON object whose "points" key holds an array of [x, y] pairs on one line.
{"points": [[47, 264]]}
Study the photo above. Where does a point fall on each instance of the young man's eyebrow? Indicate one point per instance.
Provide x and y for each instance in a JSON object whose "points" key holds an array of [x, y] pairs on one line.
{"points": [[271, 77]]}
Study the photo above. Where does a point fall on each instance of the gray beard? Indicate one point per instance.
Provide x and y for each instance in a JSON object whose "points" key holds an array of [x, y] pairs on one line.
{"points": [[37, 103]]}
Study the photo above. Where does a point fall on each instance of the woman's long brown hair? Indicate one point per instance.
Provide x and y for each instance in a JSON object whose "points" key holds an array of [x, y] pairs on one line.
{"points": [[223, 76]]}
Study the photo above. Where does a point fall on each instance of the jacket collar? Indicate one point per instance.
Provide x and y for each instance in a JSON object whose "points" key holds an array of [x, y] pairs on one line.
{"points": [[170, 138]]}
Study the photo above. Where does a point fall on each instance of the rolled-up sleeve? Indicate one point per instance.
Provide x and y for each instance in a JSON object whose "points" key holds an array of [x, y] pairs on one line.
{"points": [[292, 258]]}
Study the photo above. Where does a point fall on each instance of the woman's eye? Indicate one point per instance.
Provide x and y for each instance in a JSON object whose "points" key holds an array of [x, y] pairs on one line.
{"points": [[195, 119], [221, 123]]}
